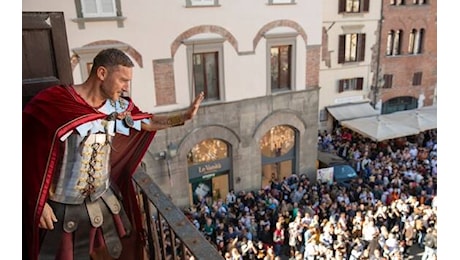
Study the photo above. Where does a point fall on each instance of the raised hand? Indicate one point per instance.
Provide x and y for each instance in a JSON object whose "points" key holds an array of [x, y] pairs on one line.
{"points": [[191, 112]]}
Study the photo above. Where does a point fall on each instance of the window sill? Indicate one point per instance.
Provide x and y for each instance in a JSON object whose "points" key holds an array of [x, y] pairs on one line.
{"points": [[284, 2], [198, 6], [275, 4], [351, 14], [280, 91], [404, 55], [81, 21]]}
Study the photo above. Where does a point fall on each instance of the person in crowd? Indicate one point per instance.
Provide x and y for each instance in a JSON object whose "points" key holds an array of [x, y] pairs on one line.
{"points": [[278, 238]]}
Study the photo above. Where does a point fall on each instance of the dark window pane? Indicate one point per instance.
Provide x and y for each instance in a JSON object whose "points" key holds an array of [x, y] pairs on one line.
{"points": [[280, 67], [212, 84], [206, 76], [198, 72], [285, 68], [274, 67]]}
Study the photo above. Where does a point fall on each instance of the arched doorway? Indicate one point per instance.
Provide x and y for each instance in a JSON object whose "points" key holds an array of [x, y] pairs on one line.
{"points": [[399, 104], [277, 147], [209, 167]]}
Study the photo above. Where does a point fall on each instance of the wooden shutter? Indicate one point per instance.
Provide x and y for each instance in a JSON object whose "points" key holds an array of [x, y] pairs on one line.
{"points": [[342, 48], [342, 4], [388, 80], [417, 79], [361, 46], [359, 83], [341, 82], [365, 4]]}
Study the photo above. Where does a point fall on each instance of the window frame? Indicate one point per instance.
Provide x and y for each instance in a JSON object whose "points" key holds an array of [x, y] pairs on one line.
{"points": [[394, 43], [206, 3], [387, 81], [357, 83], [360, 47], [196, 46], [419, 2], [81, 19], [397, 2], [363, 6], [411, 45], [281, 39], [99, 13], [281, 2], [417, 78], [416, 38]]}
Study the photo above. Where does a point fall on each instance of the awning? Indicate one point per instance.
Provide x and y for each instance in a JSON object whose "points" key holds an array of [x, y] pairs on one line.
{"points": [[394, 125], [425, 118], [351, 111]]}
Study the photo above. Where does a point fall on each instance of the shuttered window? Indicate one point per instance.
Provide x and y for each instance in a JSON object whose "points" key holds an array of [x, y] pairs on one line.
{"points": [[353, 6], [417, 79], [350, 84], [388, 80], [98, 8], [352, 47]]}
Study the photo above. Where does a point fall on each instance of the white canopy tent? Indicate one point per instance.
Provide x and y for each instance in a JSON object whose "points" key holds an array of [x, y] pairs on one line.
{"points": [[349, 111], [394, 125]]}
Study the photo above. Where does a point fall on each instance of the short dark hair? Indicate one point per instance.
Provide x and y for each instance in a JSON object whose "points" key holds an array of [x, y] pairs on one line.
{"points": [[110, 58]]}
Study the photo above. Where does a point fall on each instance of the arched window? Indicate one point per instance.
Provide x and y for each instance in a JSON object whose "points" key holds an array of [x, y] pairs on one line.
{"points": [[419, 41], [411, 46], [394, 42], [415, 41], [391, 35], [397, 42]]}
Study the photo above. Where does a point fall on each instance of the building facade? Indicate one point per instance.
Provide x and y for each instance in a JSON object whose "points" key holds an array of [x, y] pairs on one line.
{"points": [[407, 61], [258, 63], [350, 34]]}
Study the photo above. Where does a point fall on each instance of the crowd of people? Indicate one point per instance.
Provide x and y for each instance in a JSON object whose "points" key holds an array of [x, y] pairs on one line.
{"points": [[388, 210]]}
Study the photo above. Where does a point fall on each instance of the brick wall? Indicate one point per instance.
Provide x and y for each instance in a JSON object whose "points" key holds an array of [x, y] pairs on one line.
{"points": [[163, 72], [403, 66]]}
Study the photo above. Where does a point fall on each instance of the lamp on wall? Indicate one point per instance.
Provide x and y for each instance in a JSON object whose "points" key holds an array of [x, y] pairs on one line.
{"points": [[161, 156], [171, 152]]}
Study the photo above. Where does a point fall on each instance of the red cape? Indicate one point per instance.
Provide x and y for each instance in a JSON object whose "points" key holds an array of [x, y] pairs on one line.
{"points": [[46, 118]]}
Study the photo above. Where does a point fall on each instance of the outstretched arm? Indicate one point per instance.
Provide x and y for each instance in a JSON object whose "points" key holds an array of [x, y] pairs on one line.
{"points": [[165, 121]]}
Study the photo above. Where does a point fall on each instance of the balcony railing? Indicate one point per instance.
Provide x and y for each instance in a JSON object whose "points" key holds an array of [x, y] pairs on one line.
{"points": [[170, 235]]}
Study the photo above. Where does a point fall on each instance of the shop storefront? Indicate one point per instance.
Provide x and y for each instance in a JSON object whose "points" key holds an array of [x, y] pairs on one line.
{"points": [[209, 171], [277, 148]]}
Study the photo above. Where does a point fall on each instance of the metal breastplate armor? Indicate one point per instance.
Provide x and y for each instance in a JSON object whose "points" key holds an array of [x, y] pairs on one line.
{"points": [[82, 198], [84, 171]]}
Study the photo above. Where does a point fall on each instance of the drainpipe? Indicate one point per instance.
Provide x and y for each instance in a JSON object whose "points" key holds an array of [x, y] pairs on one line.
{"points": [[376, 87]]}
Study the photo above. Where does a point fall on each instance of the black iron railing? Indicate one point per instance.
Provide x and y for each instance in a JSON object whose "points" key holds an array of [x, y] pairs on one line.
{"points": [[170, 235]]}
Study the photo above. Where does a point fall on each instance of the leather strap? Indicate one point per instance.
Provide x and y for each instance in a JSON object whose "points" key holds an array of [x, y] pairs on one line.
{"points": [[112, 241], [95, 213], [81, 232]]}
